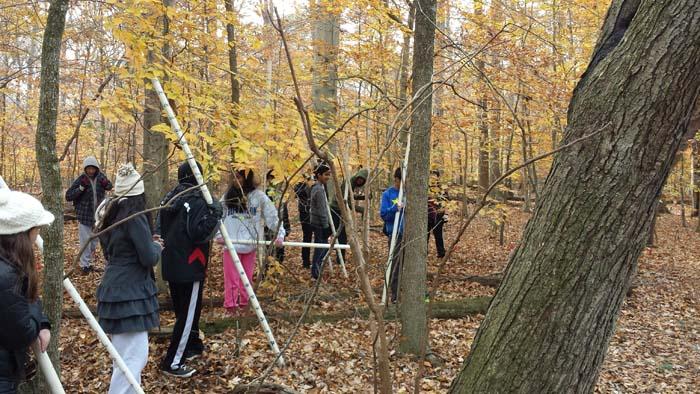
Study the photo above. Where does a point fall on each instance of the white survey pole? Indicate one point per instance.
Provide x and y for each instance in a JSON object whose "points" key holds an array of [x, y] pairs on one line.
{"points": [[45, 365], [335, 235], [52, 380], [292, 244], [73, 293], [224, 233], [395, 229]]}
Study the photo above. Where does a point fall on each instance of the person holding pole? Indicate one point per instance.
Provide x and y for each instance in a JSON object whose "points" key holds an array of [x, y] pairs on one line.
{"points": [[318, 213], [357, 182], [245, 205], [389, 208], [23, 322], [127, 301], [86, 193], [187, 225]]}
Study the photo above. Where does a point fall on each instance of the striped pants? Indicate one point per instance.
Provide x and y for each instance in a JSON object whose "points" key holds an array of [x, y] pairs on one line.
{"points": [[187, 304]]}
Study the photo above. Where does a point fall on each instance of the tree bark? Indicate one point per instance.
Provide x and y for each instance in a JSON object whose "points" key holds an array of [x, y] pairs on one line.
{"points": [[324, 91], [233, 69], [414, 276], [49, 169], [403, 73], [155, 145], [549, 325]]}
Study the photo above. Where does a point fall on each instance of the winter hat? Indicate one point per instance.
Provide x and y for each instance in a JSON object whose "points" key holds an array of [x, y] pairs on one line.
{"points": [[20, 212], [91, 161], [128, 182]]}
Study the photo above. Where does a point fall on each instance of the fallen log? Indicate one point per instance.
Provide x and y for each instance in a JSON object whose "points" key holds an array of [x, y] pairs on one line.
{"points": [[267, 388], [450, 309]]}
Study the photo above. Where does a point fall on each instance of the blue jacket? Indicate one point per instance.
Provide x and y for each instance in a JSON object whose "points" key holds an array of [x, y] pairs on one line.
{"points": [[389, 209]]}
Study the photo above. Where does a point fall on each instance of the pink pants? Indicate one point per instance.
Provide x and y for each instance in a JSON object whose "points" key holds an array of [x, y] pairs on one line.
{"points": [[235, 296]]}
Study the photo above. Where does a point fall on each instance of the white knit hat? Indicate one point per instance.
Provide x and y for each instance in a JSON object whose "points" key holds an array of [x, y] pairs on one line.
{"points": [[127, 176], [20, 212]]}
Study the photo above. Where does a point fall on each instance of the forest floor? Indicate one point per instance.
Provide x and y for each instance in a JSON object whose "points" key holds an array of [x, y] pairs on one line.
{"points": [[656, 347]]}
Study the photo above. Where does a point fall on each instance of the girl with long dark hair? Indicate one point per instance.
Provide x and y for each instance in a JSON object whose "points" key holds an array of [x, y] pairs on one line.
{"points": [[22, 323], [127, 303], [244, 207]]}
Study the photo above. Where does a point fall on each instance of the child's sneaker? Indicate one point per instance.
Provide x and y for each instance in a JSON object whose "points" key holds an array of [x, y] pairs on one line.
{"points": [[183, 371]]}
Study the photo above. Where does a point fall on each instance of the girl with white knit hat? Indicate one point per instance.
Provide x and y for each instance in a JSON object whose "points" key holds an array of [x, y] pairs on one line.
{"points": [[127, 297], [22, 323]]}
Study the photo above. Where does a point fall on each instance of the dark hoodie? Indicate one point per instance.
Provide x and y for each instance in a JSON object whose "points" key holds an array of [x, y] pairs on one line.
{"points": [[186, 226], [363, 173], [87, 193]]}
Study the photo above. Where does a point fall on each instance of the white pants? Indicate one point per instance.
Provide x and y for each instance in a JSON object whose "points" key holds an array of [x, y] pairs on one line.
{"points": [[133, 347]]}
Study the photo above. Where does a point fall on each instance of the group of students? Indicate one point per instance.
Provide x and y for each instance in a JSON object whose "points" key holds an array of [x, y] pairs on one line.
{"points": [[185, 226], [318, 209]]}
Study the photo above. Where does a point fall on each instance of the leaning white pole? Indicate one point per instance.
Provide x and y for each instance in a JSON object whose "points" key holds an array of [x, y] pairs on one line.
{"points": [[73, 293], [207, 196], [43, 359], [392, 245], [52, 380], [292, 244], [335, 235]]}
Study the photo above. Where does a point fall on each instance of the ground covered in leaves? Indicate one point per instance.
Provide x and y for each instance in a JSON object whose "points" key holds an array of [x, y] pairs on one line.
{"points": [[656, 347]]}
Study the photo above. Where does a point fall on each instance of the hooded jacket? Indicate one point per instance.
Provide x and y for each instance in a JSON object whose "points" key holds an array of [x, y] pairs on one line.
{"points": [[87, 193], [186, 227], [21, 322], [363, 173]]}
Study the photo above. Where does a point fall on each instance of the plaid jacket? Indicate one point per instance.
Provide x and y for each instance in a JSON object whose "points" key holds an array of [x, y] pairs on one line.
{"points": [[82, 199]]}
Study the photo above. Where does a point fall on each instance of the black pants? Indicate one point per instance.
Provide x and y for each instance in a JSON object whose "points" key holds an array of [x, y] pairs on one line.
{"points": [[396, 265], [320, 237], [342, 235], [308, 236], [435, 225], [273, 250], [8, 386], [187, 304]]}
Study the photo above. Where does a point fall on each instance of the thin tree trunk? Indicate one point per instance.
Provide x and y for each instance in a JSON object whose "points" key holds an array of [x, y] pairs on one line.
{"points": [[49, 169], [681, 186], [414, 324], [3, 136], [233, 68], [550, 322]]}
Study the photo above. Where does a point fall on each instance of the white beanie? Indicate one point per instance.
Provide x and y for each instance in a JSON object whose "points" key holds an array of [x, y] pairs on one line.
{"points": [[127, 176], [20, 212]]}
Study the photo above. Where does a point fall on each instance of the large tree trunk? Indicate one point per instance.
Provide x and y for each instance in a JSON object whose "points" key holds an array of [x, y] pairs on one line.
{"points": [[548, 327], [49, 169], [413, 278], [324, 91], [155, 145]]}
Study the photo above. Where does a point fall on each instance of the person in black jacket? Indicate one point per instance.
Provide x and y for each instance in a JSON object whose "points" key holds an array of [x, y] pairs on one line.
{"points": [[86, 193], [23, 322], [303, 193], [186, 227]]}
